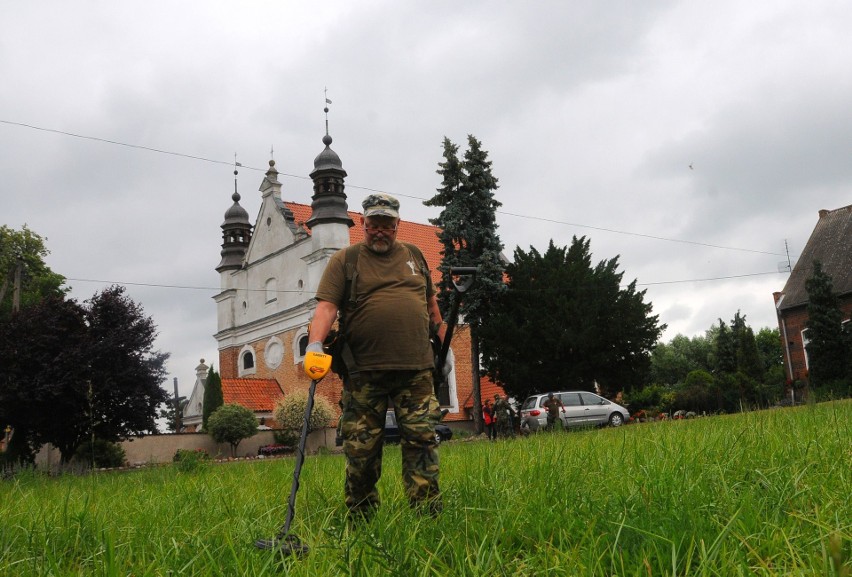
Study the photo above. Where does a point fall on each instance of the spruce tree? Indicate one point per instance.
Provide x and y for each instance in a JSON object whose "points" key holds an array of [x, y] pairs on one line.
{"points": [[213, 398], [469, 237]]}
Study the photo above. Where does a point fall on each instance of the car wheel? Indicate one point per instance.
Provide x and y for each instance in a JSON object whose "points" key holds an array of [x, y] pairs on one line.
{"points": [[616, 419]]}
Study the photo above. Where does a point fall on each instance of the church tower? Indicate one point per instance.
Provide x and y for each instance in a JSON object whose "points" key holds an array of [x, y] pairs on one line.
{"points": [[236, 234], [330, 221]]}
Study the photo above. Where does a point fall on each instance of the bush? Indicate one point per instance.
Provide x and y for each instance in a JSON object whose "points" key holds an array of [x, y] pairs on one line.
{"points": [[187, 460], [289, 412], [286, 436], [647, 398], [106, 455]]}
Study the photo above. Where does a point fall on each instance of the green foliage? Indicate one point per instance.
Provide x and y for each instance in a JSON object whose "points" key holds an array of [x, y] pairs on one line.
{"points": [[828, 350], [231, 424], [468, 226], [289, 413], [699, 393], [41, 348], [23, 252], [71, 370], [770, 349], [104, 453], [671, 362], [213, 398], [651, 399], [286, 436], [565, 324], [727, 369], [187, 460], [167, 413]]}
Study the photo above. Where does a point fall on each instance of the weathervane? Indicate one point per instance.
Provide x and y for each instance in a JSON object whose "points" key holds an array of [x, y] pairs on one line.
{"points": [[327, 102]]}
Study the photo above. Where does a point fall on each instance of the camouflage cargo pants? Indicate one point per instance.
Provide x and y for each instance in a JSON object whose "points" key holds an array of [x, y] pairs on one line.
{"points": [[362, 427]]}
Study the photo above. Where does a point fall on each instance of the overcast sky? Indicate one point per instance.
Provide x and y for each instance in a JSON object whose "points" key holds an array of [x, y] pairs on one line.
{"points": [[691, 138]]}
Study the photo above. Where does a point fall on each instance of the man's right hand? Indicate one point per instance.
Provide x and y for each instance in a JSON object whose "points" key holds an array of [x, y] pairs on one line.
{"points": [[316, 363]]}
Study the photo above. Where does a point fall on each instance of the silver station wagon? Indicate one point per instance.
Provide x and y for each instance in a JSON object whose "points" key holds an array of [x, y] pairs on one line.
{"points": [[582, 409]]}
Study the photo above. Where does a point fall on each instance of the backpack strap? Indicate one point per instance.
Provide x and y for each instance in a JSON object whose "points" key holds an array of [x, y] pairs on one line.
{"points": [[351, 270]]}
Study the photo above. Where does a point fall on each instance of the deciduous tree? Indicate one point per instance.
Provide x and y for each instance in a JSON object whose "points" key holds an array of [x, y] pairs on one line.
{"points": [[22, 254], [72, 370], [231, 424]]}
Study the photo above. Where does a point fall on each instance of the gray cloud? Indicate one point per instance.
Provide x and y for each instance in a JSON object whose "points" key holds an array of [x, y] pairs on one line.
{"points": [[592, 114]]}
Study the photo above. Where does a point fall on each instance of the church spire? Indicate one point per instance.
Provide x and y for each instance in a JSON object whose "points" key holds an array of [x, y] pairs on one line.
{"points": [[329, 200]]}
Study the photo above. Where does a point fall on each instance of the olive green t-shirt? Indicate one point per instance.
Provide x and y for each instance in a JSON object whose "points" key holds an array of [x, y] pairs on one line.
{"points": [[389, 327]]}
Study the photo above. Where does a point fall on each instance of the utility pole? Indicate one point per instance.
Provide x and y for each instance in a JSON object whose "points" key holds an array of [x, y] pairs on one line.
{"points": [[178, 416]]}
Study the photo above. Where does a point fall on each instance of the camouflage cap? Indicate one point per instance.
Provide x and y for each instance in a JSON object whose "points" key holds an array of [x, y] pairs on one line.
{"points": [[381, 204]]}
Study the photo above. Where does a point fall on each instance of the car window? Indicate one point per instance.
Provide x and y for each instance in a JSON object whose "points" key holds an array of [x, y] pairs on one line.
{"points": [[570, 399], [529, 403], [591, 399]]}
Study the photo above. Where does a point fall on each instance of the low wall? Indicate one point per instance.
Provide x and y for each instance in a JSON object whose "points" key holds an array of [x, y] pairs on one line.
{"points": [[162, 448]]}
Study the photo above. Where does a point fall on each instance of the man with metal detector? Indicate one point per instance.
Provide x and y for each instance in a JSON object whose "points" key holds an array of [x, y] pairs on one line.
{"points": [[384, 295]]}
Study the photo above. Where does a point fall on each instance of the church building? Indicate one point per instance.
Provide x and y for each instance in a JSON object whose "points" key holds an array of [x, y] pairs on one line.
{"points": [[269, 272]]}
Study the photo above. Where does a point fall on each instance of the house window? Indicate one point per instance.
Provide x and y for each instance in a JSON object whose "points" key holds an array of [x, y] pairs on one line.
{"points": [[805, 343], [248, 361], [303, 345]]}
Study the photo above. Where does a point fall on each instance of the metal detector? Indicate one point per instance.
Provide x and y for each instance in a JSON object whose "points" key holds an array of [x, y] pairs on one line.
{"points": [[284, 541]]}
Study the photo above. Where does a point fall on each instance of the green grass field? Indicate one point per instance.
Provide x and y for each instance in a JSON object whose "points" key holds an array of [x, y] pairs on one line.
{"points": [[764, 493]]}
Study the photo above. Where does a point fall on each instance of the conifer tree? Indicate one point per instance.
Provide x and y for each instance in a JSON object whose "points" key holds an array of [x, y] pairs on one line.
{"points": [[469, 237], [827, 353], [565, 324], [213, 398]]}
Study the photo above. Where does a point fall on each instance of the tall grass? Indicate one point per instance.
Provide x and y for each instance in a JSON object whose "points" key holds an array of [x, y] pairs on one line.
{"points": [[764, 493]]}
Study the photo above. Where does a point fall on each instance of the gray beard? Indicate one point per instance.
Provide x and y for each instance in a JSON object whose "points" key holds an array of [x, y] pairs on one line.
{"points": [[380, 247]]}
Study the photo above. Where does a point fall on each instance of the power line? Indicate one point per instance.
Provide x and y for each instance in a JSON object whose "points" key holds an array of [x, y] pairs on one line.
{"points": [[205, 288], [369, 189]]}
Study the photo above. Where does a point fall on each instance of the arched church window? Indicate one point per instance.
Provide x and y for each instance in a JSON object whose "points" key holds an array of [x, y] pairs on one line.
{"points": [[246, 364]]}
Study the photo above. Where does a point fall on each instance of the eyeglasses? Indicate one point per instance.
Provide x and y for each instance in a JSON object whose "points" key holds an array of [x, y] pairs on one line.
{"points": [[384, 229]]}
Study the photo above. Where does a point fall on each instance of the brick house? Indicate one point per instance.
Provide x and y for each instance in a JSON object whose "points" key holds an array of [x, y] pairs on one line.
{"points": [[269, 272], [831, 244]]}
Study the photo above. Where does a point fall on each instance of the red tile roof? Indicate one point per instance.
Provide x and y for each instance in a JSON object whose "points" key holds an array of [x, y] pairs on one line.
{"points": [[424, 236], [259, 395]]}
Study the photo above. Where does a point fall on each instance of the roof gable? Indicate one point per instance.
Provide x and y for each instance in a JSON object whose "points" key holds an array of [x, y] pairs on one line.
{"points": [[424, 236], [258, 395], [831, 244]]}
